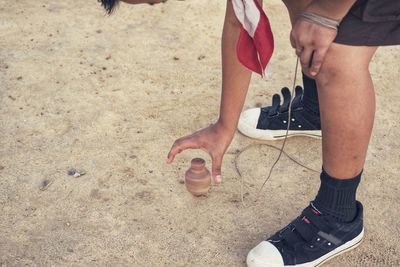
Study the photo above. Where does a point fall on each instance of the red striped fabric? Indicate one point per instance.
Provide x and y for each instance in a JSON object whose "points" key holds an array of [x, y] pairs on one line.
{"points": [[256, 42]]}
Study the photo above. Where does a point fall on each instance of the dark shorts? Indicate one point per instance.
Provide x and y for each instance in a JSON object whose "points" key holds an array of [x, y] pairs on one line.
{"points": [[371, 23]]}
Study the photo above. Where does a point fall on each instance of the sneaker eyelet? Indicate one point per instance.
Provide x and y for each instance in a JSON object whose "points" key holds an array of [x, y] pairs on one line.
{"points": [[293, 119], [318, 239], [299, 126], [311, 246], [329, 244], [284, 122]]}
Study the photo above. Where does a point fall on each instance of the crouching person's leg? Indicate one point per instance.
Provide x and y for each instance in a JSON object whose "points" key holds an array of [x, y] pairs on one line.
{"points": [[332, 223], [347, 100]]}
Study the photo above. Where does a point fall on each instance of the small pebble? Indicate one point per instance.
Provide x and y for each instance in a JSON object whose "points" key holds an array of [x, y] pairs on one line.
{"points": [[45, 184], [71, 171], [79, 173], [76, 172]]}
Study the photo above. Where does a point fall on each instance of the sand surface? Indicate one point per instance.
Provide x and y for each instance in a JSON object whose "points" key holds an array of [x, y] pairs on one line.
{"points": [[110, 95]]}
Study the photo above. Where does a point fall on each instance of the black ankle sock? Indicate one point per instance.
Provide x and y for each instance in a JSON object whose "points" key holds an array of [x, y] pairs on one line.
{"points": [[337, 198], [310, 98]]}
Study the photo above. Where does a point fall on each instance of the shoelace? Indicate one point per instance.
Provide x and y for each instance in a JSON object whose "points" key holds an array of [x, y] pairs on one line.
{"points": [[286, 135]]}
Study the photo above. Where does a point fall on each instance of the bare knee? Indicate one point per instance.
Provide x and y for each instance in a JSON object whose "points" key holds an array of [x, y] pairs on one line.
{"points": [[344, 63], [328, 74], [336, 76]]}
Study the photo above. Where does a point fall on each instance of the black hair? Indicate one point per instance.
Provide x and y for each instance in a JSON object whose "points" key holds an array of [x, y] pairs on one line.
{"points": [[109, 5]]}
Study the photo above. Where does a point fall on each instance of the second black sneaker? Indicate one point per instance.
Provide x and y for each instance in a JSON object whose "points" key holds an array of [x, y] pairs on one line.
{"points": [[308, 241], [270, 123]]}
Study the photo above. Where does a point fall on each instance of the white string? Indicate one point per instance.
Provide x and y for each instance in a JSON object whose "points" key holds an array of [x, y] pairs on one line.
{"points": [[287, 129]]}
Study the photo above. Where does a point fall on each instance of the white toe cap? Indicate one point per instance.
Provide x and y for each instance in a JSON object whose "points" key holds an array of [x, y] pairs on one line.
{"points": [[250, 117], [264, 255]]}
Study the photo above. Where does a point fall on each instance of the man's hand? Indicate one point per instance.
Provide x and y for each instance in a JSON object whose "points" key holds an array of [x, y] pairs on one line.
{"points": [[311, 42], [214, 140]]}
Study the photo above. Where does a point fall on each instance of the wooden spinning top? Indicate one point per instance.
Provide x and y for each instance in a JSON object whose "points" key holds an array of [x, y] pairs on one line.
{"points": [[198, 178]]}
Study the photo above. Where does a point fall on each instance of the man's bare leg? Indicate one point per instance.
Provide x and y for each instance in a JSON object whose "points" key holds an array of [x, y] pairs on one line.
{"points": [[333, 222], [347, 105]]}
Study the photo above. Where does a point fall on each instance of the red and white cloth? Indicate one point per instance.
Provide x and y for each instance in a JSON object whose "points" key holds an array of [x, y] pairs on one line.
{"points": [[256, 42]]}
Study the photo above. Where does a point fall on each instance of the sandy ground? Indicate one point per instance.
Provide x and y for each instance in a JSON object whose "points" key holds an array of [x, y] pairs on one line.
{"points": [[110, 95]]}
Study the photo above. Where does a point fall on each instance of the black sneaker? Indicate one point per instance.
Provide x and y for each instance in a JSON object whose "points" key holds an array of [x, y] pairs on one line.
{"points": [[270, 123], [308, 241]]}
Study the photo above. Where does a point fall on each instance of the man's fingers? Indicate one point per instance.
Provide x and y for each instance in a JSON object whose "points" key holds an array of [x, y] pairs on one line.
{"points": [[179, 146], [216, 168], [318, 58], [305, 58], [312, 42]]}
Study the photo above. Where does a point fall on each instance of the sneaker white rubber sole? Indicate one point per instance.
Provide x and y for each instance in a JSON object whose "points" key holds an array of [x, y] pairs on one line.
{"points": [[270, 135], [248, 126], [253, 259]]}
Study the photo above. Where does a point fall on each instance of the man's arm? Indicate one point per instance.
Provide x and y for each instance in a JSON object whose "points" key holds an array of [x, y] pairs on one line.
{"points": [[216, 138], [235, 77]]}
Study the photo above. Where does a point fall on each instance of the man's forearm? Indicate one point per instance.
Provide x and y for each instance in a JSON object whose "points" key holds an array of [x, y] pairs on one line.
{"points": [[235, 77]]}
